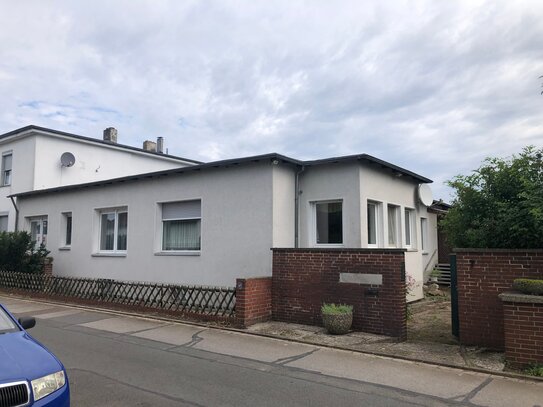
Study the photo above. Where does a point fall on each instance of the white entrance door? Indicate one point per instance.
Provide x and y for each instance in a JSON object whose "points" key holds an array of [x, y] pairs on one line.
{"points": [[38, 231]]}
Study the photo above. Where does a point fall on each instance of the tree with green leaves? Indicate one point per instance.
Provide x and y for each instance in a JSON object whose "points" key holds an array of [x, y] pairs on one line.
{"points": [[500, 205]]}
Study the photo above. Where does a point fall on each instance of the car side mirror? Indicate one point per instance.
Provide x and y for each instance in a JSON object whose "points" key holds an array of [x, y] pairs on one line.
{"points": [[27, 322]]}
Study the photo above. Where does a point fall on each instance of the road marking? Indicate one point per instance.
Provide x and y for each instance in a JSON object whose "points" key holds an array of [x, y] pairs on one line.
{"points": [[58, 314], [122, 325], [171, 334]]}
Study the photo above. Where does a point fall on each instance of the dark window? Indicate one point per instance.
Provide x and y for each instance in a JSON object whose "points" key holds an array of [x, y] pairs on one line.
{"points": [[329, 222], [68, 229]]}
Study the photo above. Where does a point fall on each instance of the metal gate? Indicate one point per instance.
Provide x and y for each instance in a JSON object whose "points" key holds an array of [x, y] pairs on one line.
{"points": [[455, 323]]}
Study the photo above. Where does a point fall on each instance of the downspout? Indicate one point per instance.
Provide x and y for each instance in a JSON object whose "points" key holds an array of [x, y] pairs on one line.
{"points": [[297, 206], [16, 213]]}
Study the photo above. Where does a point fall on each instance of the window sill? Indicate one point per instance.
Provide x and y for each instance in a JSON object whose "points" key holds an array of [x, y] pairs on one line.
{"points": [[65, 248], [410, 250], [179, 253], [424, 253], [108, 254], [329, 245], [6, 185]]}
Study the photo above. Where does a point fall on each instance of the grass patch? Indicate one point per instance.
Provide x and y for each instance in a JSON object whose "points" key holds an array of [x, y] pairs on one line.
{"points": [[336, 309], [535, 370]]}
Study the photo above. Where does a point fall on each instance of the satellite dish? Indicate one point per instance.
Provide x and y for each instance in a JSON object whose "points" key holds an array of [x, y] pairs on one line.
{"points": [[67, 159], [425, 195]]}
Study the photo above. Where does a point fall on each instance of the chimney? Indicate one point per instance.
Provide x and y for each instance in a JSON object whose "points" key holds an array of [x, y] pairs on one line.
{"points": [[149, 145], [110, 135], [160, 145]]}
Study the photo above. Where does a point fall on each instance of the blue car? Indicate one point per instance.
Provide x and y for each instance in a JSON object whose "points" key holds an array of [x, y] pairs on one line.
{"points": [[30, 375]]}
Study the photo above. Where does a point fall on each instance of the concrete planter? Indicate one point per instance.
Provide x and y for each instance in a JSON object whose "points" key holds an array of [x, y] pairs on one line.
{"points": [[337, 324]]}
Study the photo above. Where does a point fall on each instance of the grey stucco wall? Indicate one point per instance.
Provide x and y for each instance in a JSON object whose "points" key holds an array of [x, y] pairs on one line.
{"points": [[236, 227]]}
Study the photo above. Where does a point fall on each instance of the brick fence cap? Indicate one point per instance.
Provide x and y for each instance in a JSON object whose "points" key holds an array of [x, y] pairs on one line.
{"points": [[486, 250], [524, 298], [337, 249]]}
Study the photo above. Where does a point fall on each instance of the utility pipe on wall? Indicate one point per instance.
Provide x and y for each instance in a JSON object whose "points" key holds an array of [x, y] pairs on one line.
{"points": [[16, 213], [297, 193]]}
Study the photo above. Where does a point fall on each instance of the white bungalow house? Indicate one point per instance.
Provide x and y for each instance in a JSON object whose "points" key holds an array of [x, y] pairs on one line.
{"points": [[31, 160], [211, 223]]}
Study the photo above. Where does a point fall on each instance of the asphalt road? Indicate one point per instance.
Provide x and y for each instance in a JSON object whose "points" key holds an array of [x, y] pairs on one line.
{"points": [[117, 360]]}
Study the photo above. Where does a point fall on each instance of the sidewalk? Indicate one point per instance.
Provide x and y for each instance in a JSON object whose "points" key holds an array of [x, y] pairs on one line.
{"points": [[437, 353], [417, 350]]}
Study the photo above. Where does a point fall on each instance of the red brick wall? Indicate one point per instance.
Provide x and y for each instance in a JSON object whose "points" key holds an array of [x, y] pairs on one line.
{"points": [[482, 275], [305, 278], [48, 268], [253, 300], [523, 324]]}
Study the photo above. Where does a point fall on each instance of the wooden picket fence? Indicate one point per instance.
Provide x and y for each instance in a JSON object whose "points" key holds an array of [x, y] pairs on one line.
{"points": [[215, 301]]}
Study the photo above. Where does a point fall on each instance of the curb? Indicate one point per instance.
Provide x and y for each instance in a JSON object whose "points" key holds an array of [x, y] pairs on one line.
{"points": [[104, 310]]}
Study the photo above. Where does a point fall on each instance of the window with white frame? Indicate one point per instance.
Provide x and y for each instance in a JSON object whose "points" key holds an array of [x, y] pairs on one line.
{"points": [[373, 223], [181, 225], [113, 230], [409, 218], [66, 227], [328, 222], [423, 234], [393, 214], [7, 161], [3, 223]]}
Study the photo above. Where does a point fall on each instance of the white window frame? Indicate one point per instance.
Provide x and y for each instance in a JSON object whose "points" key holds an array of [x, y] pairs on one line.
{"points": [[5, 214], [314, 222], [378, 223], [398, 228], [116, 211], [424, 235], [64, 245], [3, 175], [412, 228], [180, 252]]}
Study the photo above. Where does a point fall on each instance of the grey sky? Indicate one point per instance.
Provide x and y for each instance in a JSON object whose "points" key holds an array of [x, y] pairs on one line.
{"points": [[431, 86]]}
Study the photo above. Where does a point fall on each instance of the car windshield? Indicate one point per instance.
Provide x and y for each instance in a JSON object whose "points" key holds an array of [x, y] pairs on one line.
{"points": [[6, 323]]}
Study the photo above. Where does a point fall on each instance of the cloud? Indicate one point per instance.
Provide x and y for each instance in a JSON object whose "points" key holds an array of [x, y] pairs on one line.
{"points": [[434, 87]]}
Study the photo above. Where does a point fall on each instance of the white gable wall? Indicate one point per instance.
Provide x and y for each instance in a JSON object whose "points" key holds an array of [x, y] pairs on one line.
{"points": [[93, 162], [23, 151], [386, 188], [36, 164]]}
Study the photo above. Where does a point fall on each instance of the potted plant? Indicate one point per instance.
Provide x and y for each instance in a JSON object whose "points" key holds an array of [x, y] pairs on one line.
{"points": [[528, 286], [337, 318]]}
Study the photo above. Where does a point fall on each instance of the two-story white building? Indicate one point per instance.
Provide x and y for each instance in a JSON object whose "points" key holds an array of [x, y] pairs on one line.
{"points": [[31, 160]]}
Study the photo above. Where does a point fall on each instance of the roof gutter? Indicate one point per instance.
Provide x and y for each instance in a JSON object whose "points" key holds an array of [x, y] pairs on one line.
{"points": [[297, 194]]}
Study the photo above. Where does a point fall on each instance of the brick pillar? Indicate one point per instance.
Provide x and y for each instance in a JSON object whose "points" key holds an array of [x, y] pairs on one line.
{"points": [[48, 266], [523, 326], [253, 300]]}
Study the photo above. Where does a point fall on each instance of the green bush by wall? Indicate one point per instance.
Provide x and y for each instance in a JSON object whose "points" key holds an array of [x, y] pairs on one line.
{"points": [[17, 253]]}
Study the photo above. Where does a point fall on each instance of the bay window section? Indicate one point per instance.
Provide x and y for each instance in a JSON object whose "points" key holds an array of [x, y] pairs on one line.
{"points": [[373, 224], [409, 217], [113, 230], [393, 225], [181, 226], [424, 234]]}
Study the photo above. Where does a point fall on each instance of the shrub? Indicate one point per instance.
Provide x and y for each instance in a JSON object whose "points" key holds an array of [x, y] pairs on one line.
{"points": [[499, 205], [17, 253], [528, 286], [336, 308], [535, 370]]}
